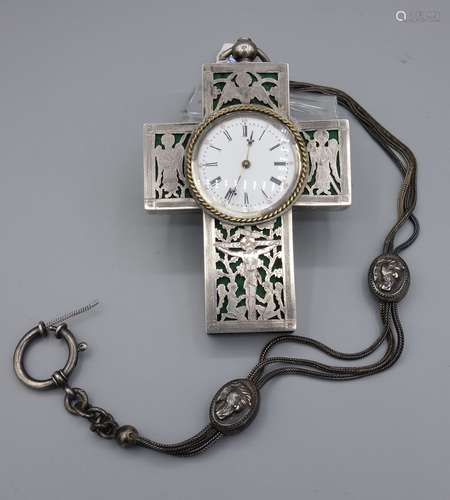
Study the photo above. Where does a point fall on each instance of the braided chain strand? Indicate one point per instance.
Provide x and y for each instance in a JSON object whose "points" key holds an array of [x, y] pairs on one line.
{"points": [[392, 332], [400, 154]]}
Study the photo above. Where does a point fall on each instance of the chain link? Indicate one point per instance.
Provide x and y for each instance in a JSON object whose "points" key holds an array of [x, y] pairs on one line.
{"points": [[76, 402]]}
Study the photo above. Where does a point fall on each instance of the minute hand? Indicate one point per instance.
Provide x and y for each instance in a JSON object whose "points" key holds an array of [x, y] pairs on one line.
{"points": [[246, 162]]}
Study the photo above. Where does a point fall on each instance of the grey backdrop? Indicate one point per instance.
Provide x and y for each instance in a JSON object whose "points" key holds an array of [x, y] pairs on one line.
{"points": [[78, 81]]}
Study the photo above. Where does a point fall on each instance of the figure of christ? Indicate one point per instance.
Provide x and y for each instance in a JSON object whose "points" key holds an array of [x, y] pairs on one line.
{"points": [[249, 250]]}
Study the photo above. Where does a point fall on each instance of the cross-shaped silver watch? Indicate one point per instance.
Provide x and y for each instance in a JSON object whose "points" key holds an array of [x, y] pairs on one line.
{"points": [[246, 165]]}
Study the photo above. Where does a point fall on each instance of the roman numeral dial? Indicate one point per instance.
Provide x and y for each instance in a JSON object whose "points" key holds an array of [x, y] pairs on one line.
{"points": [[246, 163], [227, 135]]}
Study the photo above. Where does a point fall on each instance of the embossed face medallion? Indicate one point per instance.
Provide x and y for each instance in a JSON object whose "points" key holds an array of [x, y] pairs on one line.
{"points": [[234, 406], [389, 278]]}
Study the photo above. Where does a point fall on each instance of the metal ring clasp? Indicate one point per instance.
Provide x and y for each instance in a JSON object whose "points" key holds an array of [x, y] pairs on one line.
{"points": [[39, 331]]}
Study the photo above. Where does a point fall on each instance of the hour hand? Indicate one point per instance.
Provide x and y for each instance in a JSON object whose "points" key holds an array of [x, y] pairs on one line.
{"points": [[231, 193], [250, 140]]}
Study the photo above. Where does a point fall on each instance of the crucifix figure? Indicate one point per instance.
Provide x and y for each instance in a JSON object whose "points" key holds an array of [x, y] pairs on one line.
{"points": [[239, 162], [248, 251]]}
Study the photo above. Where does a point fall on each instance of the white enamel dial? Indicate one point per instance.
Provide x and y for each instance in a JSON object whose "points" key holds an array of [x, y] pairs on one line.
{"points": [[246, 163]]}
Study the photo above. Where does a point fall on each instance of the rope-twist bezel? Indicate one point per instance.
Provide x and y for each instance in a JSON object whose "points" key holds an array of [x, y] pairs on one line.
{"points": [[301, 179]]}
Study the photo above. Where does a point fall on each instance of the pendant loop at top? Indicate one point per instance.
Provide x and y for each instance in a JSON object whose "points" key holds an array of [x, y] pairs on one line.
{"points": [[244, 49]]}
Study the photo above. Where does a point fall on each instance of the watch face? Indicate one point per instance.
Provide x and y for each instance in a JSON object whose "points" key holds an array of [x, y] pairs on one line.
{"points": [[245, 164]]}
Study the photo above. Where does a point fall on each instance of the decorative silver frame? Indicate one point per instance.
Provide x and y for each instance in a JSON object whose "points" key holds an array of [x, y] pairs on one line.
{"points": [[340, 201], [226, 310], [250, 67], [344, 199], [288, 324], [151, 202]]}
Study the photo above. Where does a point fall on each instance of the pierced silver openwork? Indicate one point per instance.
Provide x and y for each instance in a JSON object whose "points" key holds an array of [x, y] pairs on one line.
{"points": [[249, 277]]}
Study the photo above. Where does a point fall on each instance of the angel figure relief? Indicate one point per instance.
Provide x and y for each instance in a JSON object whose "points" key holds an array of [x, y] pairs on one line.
{"points": [[246, 88], [323, 154], [274, 305], [170, 180], [234, 310]]}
